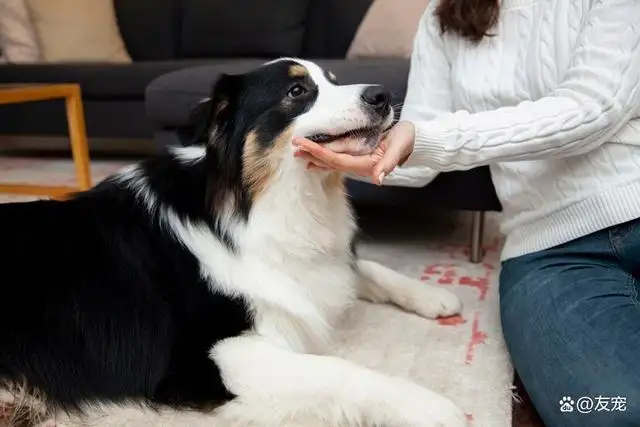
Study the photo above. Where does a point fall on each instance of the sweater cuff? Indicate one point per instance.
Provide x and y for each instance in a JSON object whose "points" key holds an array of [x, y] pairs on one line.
{"points": [[402, 177], [429, 147]]}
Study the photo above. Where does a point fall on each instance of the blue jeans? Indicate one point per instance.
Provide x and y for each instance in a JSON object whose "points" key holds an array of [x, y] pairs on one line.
{"points": [[571, 321]]}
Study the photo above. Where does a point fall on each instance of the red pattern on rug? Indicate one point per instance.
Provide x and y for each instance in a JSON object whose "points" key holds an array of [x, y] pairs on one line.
{"points": [[455, 272]]}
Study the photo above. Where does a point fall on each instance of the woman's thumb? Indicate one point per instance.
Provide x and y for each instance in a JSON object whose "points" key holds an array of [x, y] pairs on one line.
{"points": [[387, 163]]}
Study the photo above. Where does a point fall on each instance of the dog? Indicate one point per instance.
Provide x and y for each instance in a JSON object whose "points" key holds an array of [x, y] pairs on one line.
{"points": [[212, 276]]}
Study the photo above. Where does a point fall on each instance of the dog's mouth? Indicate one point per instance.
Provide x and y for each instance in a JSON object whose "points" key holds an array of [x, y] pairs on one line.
{"points": [[368, 133], [359, 141]]}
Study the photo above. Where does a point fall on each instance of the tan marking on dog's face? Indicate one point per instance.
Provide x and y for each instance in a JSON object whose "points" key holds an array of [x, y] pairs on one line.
{"points": [[261, 163], [298, 71]]}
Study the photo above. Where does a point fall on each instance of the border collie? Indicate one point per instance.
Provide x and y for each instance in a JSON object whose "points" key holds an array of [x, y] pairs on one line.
{"points": [[213, 275]]}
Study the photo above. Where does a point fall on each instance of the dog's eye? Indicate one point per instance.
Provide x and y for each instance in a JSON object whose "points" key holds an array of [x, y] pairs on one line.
{"points": [[296, 91]]}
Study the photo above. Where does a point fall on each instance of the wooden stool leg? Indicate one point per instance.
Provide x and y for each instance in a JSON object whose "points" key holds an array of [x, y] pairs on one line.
{"points": [[78, 137]]}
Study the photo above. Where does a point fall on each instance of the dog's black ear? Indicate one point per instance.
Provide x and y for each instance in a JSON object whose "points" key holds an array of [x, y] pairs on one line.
{"points": [[199, 123], [194, 131], [210, 112]]}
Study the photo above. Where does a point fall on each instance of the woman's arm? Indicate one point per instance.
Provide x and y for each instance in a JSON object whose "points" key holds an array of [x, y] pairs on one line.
{"points": [[428, 86], [600, 93]]}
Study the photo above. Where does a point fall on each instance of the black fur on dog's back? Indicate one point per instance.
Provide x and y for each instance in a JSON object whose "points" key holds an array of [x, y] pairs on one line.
{"points": [[101, 302]]}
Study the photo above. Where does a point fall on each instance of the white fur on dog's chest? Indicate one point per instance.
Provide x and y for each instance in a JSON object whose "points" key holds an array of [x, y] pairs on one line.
{"points": [[295, 299], [293, 264], [328, 288], [306, 246]]}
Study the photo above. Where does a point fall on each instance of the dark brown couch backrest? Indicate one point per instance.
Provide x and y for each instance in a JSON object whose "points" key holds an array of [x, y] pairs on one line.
{"points": [[242, 28], [331, 26], [169, 29], [149, 28]]}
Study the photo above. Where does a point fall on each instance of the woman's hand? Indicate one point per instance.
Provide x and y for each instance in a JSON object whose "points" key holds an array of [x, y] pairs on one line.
{"points": [[395, 146]]}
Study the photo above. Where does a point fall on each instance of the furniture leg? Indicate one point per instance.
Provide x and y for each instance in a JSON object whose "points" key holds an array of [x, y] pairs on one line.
{"points": [[477, 233], [78, 137]]}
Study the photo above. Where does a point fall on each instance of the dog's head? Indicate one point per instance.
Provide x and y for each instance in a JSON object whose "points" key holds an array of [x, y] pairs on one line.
{"points": [[250, 119]]}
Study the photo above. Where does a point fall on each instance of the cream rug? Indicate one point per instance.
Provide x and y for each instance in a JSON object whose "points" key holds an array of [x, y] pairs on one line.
{"points": [[462, 357]]}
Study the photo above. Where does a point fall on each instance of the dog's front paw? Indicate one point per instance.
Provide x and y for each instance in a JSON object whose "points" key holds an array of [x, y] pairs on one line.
{"points": [[412, 405], [431, 302], [440, 412], [447, 417]]}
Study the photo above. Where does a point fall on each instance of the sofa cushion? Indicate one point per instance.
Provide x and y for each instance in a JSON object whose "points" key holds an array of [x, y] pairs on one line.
{"points": [[18, 37], [104, 81], [171, 98], [77, 30], [149, 28], [387, 30], [242, 28]]}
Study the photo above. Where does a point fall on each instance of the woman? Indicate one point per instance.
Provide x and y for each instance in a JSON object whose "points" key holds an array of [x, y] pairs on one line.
{"points": [[546, 93]]}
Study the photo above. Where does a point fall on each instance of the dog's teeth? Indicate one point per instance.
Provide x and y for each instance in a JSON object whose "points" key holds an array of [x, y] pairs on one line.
{"points": [[363, 133], [321, 137]]}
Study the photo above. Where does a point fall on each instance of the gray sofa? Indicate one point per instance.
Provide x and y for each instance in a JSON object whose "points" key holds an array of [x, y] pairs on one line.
{"points": [[179, 47]]}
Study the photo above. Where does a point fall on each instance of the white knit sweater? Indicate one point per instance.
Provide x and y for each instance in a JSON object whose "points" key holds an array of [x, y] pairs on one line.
{"points": [[549, 103]]}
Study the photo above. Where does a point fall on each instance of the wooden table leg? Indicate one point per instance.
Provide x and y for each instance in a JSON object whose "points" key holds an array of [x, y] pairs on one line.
{"points": [[78, 137]]}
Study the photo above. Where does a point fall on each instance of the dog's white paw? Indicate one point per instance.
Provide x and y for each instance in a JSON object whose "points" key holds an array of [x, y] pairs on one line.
{"points": [[416, 406], [440, 412], [431, 302]]}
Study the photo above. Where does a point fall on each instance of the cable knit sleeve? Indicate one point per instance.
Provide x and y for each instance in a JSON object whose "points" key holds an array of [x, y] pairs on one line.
{"points": [[598, 95], [428, 87]]}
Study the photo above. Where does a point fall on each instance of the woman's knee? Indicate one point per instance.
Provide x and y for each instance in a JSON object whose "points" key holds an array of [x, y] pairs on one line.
{"points": [[526, 309], [554, 364], [557, 324]]}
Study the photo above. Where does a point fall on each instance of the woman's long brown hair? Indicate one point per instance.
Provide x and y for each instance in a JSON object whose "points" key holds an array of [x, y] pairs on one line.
{"points": [[471, 19]]}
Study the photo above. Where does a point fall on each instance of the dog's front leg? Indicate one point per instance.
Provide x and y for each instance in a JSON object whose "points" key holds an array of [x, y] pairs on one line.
{"points": [[380, 284], [277, 387]]}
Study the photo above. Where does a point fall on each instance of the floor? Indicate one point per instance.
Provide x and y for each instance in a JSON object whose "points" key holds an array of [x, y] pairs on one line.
{"points": [[524, 414], [49, 164]]}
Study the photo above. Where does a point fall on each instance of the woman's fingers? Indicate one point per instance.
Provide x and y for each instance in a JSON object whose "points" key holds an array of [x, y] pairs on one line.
{"points": [[312, 161], [392, 150], [395, 154], [311, 166], [361, 165], [318, 151], [309, 146]]}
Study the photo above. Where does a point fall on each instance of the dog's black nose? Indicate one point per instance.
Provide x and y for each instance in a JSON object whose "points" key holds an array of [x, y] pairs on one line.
{"points": [[377, 97]]}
